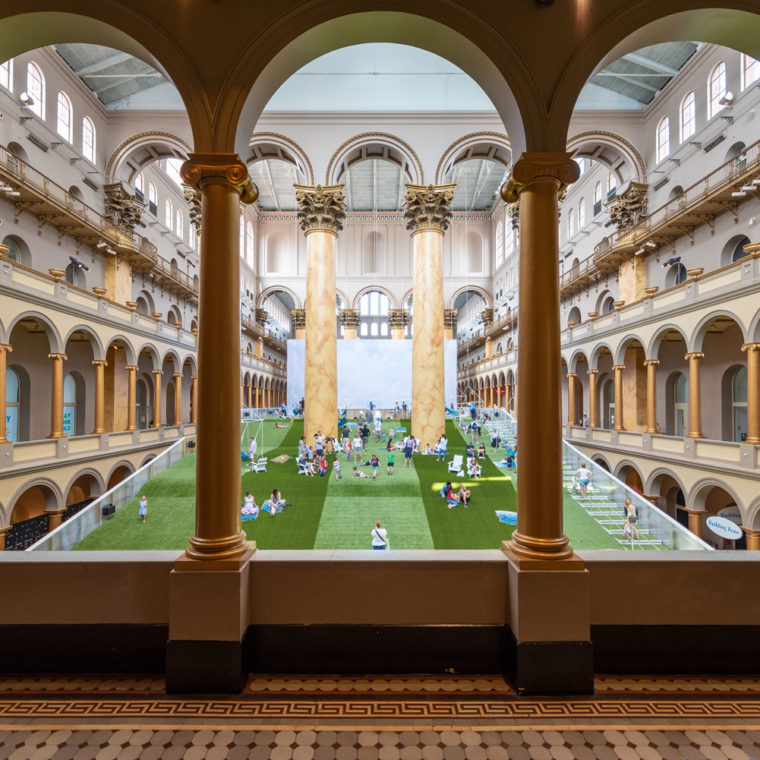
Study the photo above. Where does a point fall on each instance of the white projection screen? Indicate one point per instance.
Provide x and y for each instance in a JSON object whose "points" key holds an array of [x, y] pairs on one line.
{"points": [[371, 370]]}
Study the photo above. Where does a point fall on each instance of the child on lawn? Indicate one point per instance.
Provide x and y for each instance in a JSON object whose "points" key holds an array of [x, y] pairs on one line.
{"points": [[390, 463]]}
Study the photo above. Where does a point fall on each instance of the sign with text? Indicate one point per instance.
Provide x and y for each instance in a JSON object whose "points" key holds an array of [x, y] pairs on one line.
{"points": [[724, 528]]}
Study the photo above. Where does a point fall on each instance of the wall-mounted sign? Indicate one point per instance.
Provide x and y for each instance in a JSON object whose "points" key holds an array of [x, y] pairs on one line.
{"points": [[731, 513], [724, 528]]}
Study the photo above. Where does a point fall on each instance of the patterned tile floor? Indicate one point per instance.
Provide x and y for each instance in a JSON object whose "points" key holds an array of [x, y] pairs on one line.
{"points": [[383, 718]]}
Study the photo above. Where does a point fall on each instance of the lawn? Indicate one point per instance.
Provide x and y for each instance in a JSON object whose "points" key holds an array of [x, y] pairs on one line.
{"points": [[330, 514]]}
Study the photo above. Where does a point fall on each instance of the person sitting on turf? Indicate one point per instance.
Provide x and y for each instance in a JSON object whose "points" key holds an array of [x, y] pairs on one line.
{"points": [[358, 473], [323, 466], [464, 495], [473, 468], [469, 450], [482, 451], [428, 451], [250, 510], [308, 466], [451, 498]]}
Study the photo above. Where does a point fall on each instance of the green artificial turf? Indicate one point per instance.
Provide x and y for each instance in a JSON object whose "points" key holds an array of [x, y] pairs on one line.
{"points": [[354, 505], [476, 527]]}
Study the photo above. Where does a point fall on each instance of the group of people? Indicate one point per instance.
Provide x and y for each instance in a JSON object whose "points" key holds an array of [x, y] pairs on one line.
{"points": [[274, 504], [455, 499]]}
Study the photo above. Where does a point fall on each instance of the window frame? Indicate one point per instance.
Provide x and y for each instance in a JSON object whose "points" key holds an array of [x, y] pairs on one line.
{"points": [[89, 146], [688, 106], [64, 107], [38, 106], [662, 140], [717, 74]]}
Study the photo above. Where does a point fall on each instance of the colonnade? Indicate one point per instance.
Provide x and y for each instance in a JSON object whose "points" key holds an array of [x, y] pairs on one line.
{"points": [[695, 400], [57, 360], [260, 396]]}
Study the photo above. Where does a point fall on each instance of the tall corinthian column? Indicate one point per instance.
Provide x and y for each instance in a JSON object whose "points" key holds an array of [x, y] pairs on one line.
{"points": [[536, 182], [321, 211], [224, 183], [428, 212]]}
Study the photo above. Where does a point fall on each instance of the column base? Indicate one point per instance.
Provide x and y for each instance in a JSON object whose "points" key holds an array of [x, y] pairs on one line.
{"points": [[527, 548], [694, 435], [550, 667], [221, 562], [205, 667]]}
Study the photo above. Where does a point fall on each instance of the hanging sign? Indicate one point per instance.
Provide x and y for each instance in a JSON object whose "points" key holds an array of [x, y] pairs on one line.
{"points": [[724, 528], [731, 513]]}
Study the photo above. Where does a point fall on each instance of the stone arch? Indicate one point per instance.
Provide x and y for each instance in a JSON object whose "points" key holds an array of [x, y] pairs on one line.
{"points": [[572, 364], [753, 515], [124, 343], [698, 334], [118, 472], [323, 27], [652, 348], [98, 350], [701, 490], [272, 290], [147, 460], [50, 495], [95, 478], [593, 357], [152, 351], [135, 153], [653, 481], [618, 356], [55, 343], [601, 461], [490, 146], [613, 151], [482, 292], [172, 356], [627, 464], [369, 289], [270, 145], [380, 145]]}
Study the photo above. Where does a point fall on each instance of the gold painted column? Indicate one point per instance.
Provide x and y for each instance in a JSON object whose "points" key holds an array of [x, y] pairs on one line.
{"points": [[618, 369], [651, 365], [571, 418], [753, 539], [177, 398], [695, 521], [753, 395], [157, 397], [248, 394], [194, 400], [56, 396], [350, 319], [224, 183], [427, 211], [100, 396], [695, 396], [536, 181], [5, 349], [321, 211], [131, 397], [398, 320], [593, 404]]}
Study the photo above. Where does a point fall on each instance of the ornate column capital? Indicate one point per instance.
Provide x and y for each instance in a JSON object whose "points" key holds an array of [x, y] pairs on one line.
{"points": [[122, 208], [651, 362], [531, 167], [450, 318], [320, 208], [486, 317], [260, 316], [6, 347], [592, 371], [572, 374], [61, 357], [193, 199], [350, 317], [131, 368], [157, 371], [628, 208], [428, 207], [99, 363], [694, 355], [299, 318], [621, 367], [746, 347], [399, 317], [177, 374], [201, 168]]}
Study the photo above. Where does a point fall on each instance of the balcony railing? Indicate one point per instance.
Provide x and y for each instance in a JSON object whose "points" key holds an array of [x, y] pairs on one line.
{"points": [[711, 195], [31, 190], [175, 279]]}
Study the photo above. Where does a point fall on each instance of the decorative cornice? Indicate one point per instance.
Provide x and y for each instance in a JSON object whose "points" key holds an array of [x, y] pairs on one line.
{"points": [[428, 207], [320, 208], [121, 208], [227, 167], [398, 317], [530, 167]]}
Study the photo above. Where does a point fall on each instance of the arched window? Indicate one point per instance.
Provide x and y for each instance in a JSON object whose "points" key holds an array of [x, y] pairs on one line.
{"points": [[611, 184], [169, 213], [597, 198], [35, 86], [12, 405], [241, 236], [171, 167], [75, 276], [249, 244], [662, 148], [675, 276], [89, 139], [739, 404], [179, 224], [687, 116], [140, 185], [581, 165], [152, 199], [716, 89], [510, 241], [499, 243], [64, 123], [571, 222], [581, 213], [70, 405], [6, 75], [750, 70]]}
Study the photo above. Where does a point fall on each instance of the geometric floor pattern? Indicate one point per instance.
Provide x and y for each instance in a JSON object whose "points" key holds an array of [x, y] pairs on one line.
{"points": [[384, 718]]}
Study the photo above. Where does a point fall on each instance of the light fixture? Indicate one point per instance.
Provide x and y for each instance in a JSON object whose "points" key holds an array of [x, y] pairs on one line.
{"points": [[111, 251], [26, 99], [101, 244], [727, 99], [650, 244], [756, 181], [748, 188], [739, 194]]}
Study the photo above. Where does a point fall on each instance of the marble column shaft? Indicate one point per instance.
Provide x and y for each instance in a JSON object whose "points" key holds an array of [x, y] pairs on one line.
{"points": [[56, 399], [131, 397], [695, 395], [100, 397], [618, 370], [177, 398], [157, 373], [651, 365]]}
